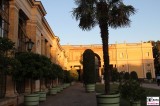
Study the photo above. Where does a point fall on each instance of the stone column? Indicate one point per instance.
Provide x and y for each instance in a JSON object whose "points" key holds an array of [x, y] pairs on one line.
{"points": [[10, 90], [13, 35], [13, 21]]}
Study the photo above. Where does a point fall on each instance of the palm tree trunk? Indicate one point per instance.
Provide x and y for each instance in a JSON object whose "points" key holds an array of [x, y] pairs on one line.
{"points": [[105, 37]]}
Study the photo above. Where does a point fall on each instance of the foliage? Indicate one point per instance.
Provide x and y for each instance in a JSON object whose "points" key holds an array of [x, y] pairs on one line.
{"points": [[59, 71], [89, 73], [133, 75], [156, 56], [8, 63], [5, 46], [114, 74], [132, 90], [46, 66], [148, 75], [74, 73], [105, 13], [121, 76], [31, 65], [67, 76], [126, 76]]}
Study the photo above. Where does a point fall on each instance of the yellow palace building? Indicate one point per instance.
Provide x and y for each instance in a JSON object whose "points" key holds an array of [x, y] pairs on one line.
{"points": [[125, 57]]}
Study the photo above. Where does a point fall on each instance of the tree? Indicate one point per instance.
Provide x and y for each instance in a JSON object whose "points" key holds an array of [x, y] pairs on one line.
{"points": [[126, 76], [114, 74], [8, 64], [89, 73], [105, 13], [156, 56], [133, 75]]}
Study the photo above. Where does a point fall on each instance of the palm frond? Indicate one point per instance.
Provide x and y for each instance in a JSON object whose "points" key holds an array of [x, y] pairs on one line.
{"points": [[87, 22], [85, 13], [119, 15]]}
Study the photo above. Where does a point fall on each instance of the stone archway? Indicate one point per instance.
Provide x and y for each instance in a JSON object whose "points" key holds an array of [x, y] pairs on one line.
{"points": [[98, 65]]}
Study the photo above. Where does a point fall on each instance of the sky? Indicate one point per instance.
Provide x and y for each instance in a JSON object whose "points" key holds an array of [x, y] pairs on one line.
{"points": [[145, 24]]}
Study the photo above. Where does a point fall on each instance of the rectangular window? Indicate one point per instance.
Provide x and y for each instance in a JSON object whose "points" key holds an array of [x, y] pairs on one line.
{"points": [[22, 36], [4, 18], [121, 55], [147, 54]]}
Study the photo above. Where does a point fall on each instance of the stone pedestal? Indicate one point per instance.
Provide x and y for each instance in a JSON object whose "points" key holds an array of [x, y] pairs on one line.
{"points": [[10, 91]]}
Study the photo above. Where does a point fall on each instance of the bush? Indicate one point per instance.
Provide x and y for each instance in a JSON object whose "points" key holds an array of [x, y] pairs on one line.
{"points": [[132, 90], [67, 76], [89, 76], [148, 75], [114, 74], [133, 75], [126, 76]]}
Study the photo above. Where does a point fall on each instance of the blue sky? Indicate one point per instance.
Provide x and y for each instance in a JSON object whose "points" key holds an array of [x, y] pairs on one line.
{"points": [[145, 23]]}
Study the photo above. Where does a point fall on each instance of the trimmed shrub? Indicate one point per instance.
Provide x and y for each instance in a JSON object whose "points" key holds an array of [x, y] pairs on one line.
{"points": [[114, 74], [149, 75], [89, 76], [126, 76], [133, 75]]}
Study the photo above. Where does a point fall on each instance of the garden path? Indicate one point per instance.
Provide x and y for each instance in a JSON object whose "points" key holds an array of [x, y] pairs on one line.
{"points": [[74, 95]]}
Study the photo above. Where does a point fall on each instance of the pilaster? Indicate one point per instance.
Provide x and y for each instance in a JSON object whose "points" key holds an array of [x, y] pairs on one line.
{"points": [[13, 21]]}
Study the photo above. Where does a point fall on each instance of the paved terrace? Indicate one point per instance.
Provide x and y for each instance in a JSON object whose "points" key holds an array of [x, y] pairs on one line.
{"points": [[74, 95]]}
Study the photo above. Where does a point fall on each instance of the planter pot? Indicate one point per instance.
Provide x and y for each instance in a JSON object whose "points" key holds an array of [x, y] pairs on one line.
{"points": [[108, 100], [58, 89], [136, 103], [42, 96], [90, 87], [67, 85], [31, 100], [72, 83], [61, 88], [64, 86], [53, 91]]}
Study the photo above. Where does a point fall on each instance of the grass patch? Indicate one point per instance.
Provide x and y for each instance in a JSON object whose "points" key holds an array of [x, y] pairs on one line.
{"points": [[123, 102]]}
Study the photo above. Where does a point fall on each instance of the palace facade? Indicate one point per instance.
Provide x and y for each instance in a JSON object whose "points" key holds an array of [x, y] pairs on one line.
{"points": [[125, 57]]}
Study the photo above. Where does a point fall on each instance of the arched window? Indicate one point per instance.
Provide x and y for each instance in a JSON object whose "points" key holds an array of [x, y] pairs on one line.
{"points": [[4, 18]]}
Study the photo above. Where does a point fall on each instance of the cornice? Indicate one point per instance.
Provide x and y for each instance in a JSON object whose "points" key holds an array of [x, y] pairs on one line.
{"points": [[39, 5]]}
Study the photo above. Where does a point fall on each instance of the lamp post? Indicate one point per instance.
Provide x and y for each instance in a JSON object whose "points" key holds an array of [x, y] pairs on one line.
{"points": [[29, 45]]}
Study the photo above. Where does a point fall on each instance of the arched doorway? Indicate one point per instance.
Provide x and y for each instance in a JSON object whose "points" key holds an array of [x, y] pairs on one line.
{"points": [[97, 67]]}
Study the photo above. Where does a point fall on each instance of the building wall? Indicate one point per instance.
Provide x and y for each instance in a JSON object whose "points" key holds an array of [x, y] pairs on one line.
{"points": [[38, 30], [125, 57]]}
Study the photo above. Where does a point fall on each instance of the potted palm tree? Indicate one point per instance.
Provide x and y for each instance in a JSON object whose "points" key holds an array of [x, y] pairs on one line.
{"points": [[105, 13], [89, 72]]}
